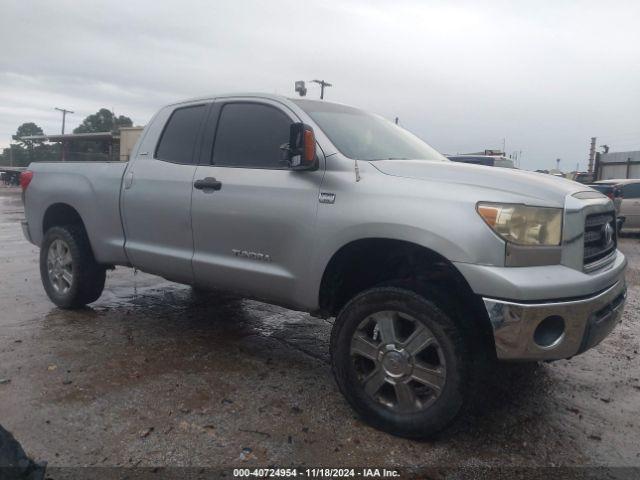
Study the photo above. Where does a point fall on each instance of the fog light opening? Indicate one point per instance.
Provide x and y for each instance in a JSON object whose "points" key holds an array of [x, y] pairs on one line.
{"points": [[549, 332]]}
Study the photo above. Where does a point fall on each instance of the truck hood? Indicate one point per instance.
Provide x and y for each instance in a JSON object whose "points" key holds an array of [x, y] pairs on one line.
{"points": [[535, 186]]}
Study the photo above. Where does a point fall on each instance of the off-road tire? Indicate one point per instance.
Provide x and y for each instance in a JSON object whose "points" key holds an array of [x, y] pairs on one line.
{"points": [[88, 276], [453, 395]]}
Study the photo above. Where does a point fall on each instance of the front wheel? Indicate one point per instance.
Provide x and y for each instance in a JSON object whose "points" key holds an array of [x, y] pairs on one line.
{"points": [[70, 274], [400, 361]]}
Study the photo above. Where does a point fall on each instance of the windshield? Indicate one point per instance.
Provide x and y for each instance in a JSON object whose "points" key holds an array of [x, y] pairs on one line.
{"points": [[364, 136]]}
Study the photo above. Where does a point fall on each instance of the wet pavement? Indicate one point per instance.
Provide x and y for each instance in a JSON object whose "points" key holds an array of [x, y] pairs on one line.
{"points": [[154, 374]]}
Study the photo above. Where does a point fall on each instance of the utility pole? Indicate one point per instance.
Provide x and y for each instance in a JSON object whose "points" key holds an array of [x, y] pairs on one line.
{"points": [[397, 119], [557, 164], [64, 116], [592, 154], [322, 84]]}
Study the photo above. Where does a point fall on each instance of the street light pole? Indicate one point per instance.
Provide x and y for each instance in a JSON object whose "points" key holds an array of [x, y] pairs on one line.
{"points": [[322, 84], [64, 116]]}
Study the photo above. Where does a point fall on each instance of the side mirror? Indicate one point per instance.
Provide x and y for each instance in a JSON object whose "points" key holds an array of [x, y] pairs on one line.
{"points": [[301, 151]]}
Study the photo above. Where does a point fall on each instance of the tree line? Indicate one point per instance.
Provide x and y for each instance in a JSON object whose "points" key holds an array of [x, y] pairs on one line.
{"points": [[24, 151]]}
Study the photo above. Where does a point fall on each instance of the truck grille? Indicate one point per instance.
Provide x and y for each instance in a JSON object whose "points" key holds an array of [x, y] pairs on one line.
{"points": [[599, 237]]}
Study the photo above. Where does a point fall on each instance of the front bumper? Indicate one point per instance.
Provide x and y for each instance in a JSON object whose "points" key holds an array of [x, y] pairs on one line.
{"points": [[532, 331]]}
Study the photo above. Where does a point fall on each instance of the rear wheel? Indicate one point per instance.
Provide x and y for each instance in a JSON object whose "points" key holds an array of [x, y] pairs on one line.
{"points": [[70, 274], [400, 362]]}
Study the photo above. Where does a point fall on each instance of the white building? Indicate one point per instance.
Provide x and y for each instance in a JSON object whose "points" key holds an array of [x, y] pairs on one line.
{"points": [[618, 165]]}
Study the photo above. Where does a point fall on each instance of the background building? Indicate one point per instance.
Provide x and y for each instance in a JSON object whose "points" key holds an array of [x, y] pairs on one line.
{"points": [[94, 146], [618, 165], [128, 138]]}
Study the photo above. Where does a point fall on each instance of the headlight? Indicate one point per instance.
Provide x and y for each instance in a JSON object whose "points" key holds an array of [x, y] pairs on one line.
{"points": [[523, 225]]}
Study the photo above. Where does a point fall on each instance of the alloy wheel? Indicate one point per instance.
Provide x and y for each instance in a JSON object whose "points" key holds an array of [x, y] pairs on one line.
{"points": [[60, 266], [398, 361]]}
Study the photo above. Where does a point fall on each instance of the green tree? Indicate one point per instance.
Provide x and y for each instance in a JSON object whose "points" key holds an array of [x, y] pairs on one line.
{"points": [[17, 156], [4, 157], [26, 130], [25, 151], [103, 121]]}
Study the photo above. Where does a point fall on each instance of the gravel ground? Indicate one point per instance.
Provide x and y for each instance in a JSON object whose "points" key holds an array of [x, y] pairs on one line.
{"points": [[155, 375]]}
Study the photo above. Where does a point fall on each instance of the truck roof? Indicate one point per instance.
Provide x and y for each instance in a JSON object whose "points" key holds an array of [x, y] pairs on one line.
{"points": [[270, 96]]}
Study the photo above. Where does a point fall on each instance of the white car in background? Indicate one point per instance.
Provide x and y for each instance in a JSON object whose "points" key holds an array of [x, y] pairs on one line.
{"points": [[630, 203]]}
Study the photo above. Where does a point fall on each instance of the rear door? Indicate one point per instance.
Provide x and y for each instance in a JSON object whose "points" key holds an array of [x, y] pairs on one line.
{"points": [[157, 195], [630, 207], [255, 232]]}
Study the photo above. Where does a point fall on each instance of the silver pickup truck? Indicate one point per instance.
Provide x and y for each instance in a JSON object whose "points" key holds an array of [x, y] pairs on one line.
{"points": [[431, 268]]}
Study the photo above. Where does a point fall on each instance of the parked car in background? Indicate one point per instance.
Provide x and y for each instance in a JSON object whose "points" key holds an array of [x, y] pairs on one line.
{"points": [[487, 160], [628, 205], [611, 190], [584, 177], [614, 192], [11, 179]]}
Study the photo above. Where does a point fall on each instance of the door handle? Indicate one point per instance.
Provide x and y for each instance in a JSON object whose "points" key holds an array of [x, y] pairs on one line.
{"points": [[208, 183]]}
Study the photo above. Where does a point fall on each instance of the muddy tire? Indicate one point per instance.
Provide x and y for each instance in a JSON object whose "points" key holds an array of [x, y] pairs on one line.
{"points": [[400, 362], [70, 274]]}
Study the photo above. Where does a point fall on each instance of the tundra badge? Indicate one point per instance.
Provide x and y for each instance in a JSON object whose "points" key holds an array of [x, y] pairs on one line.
{"points": [[327, 197], [251, 255]]}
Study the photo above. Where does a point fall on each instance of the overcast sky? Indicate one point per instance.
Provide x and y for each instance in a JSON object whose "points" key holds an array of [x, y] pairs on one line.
{"points": [[545, 75]]}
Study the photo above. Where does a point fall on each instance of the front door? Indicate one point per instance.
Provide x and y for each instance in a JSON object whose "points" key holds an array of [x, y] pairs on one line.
{"points": [[156, 206], [254, 225]]}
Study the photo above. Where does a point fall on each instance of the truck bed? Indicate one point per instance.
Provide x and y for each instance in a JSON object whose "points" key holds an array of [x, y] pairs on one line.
{"points": [[92, 189]]}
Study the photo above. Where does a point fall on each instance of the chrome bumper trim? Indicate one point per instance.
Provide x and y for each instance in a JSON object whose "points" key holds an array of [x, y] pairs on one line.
{"points": [[587, 321]]}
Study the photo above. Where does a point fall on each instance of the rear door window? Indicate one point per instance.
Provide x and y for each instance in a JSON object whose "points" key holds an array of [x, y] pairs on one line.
{"points": [[178, 141], [251, 135]]}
